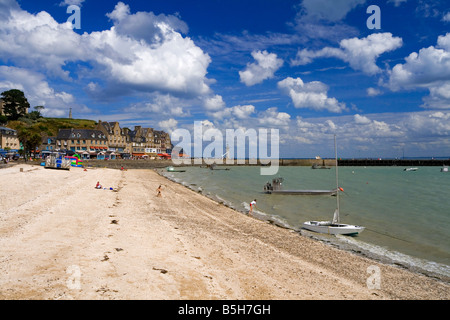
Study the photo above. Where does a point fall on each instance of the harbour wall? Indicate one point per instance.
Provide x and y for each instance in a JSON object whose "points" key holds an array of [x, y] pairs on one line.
{"points": [[155, 164], [395, 162]]}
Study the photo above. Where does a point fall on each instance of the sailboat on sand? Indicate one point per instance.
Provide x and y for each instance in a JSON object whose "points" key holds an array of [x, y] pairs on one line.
{"points": [[334, 226]]}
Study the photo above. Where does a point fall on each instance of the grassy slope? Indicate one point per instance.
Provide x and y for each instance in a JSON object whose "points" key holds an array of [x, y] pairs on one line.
{"points": [[51, 126]]}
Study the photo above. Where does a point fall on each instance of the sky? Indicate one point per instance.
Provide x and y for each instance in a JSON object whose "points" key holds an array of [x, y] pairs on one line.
{"points": [[377, 77]]}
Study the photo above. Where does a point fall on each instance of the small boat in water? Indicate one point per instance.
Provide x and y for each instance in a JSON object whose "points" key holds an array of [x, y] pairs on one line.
{"points": [[444, 169], [316, 166], [410, 169], [333, 227], [275, 188], [172, 169]]}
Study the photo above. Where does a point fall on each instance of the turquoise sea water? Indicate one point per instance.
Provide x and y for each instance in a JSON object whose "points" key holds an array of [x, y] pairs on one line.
{"points": [[406, 214]]}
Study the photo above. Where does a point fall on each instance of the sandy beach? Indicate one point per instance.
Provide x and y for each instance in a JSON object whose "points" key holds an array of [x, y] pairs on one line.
{"points": [[61, 238]]}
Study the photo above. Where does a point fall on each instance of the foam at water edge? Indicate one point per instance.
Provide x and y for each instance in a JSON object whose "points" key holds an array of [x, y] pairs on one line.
{"points": [[397, 258]]}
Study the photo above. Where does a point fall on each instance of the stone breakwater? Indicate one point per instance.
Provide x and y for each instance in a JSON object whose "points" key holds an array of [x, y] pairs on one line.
{"points": [[156, 164]]}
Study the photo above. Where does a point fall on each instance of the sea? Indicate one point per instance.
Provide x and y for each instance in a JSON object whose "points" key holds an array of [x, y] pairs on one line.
{"points": [[406, 213]]}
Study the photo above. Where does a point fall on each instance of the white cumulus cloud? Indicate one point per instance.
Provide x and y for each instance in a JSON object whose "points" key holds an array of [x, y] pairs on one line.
{"points": [[273, 118], [311, 95], [214, 103], [429, 68], [168, 125], [140, 52], [361, 119], [38, 91], [361, 54], [264, 68]]}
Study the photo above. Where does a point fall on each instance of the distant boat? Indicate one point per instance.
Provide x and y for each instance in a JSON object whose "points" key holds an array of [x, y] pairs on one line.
{"points": [[333, 227], [444, 169], [214, 167], [410, 169], [172, 169], [316, 166], [275, 188]]}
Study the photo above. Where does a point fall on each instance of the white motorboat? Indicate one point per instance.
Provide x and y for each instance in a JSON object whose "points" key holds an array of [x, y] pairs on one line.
{"points": [[410, 169], [444, 169], [333, 227], [172, 169]]}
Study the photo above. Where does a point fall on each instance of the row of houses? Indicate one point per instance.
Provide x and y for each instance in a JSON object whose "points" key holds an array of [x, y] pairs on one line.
{"points": [[109, 140]]}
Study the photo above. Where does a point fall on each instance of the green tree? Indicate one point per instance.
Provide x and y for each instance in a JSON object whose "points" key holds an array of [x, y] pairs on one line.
{"points": [[15, 104], [30, 140], [36, 114], [3, 119]]}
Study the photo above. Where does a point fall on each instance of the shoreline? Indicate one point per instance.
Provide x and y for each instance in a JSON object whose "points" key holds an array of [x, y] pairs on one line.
{"points": [[130, 244], [332, 241]]}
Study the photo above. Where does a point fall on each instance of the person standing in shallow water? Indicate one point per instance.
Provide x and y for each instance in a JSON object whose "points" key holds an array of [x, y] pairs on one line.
{"points": [[252, 204]]}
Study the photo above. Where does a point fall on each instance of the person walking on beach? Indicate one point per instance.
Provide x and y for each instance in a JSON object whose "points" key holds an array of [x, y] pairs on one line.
{"points": [[159, 191], [252, 204]]}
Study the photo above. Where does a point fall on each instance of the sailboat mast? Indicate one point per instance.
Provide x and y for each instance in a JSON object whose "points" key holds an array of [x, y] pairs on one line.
{"points": [[337, 178]]}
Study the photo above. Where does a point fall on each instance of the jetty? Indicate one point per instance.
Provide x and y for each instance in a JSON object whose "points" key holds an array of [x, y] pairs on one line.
{"points": [[394, 162]]}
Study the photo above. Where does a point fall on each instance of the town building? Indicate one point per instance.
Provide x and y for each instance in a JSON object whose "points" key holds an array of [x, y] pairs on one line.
{"points": [[118, 140], [48, 144], [87, 143], [142, 142], [163, 141], [9, 139]]}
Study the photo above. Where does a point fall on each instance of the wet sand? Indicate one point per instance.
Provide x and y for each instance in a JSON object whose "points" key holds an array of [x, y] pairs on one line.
{"points": [[63, 239]]}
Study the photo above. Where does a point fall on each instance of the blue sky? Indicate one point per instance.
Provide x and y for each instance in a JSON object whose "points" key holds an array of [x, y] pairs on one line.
{"points": [[310, 68]]}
